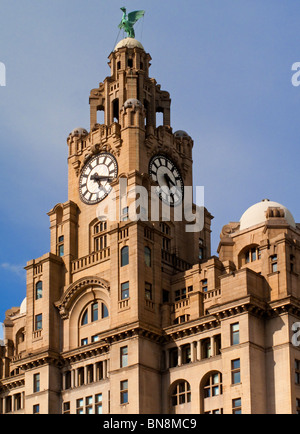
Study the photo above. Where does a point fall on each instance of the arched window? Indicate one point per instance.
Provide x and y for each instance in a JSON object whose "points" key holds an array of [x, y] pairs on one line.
{"points": [[94, 312], [181, 393], [147, 256], [39, 290], [249, 254], [124, 256], [213, 385]]}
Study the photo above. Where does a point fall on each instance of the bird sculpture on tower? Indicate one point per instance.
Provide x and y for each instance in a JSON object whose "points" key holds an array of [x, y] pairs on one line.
{"points": [[128, 21]]}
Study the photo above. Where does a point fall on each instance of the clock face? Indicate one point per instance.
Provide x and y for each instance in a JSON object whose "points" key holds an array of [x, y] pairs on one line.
{"points": [[96, 176], [170, 184]]}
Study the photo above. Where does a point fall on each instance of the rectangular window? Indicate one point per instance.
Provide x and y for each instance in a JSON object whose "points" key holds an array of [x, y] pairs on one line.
{"points": [[84, 341], [206, 348], [204, 285], [94, 312], [36, 409], [235, 371], [79, 406], [124, 392], [38, 322], [235, 334], [36, 383], [274, 267], [124, 290], [148, 291], [98, 403], [89, 405], [124, 357], [66, 408], [124, 216], [186, 354], [237, 406], [61, 250], [39, 290]]}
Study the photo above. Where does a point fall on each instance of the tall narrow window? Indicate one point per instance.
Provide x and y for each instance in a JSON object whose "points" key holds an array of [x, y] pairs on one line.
{"points": [[89, 405], [124, 256], [124, 290], [38, 322], [95, 315], [124, 357], [79, 406], [186, 354], [147, 252], [201, 249], [206, 348], [204, 285], [98, 403], [237, 406], [148, 291], [125, 214], [36, 383], [235, 371], [124, 392], [235, 334], [39, 290], [60, 246], [274, 267]]}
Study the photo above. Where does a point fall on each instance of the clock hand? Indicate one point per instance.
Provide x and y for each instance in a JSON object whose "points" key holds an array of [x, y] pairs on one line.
{"points": [[169, 180], [98, 178]]}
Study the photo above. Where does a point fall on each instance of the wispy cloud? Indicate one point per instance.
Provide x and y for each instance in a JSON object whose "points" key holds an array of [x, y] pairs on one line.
{"points": [[13, 268]]}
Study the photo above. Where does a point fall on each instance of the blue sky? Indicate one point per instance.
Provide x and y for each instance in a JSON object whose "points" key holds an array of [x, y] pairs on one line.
{"points": [[227, 65]]}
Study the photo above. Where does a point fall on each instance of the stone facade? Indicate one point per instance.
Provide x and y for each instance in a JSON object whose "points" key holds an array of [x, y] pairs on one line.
{"points": [[137, 317]]}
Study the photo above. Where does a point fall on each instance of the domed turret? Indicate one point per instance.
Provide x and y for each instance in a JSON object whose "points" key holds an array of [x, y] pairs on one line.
{"points": [[129, 43], [258, 214]]}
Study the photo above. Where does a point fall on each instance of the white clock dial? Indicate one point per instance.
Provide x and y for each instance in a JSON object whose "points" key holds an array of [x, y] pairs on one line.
{"points": [[170, 184], [96, 176]]}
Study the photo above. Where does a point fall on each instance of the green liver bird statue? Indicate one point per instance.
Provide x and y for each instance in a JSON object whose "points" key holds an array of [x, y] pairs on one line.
{"points": [[128, 21]]}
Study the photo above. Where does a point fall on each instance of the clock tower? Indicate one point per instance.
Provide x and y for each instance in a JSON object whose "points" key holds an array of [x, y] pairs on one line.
{"points": [[126, 265]]}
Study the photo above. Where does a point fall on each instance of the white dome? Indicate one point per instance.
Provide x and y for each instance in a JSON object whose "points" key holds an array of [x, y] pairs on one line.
{"points": [[129, 43], [256, 214], [23, 306]]}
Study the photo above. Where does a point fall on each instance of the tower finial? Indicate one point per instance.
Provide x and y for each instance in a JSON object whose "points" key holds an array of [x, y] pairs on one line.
{"points": [[129, 21]]}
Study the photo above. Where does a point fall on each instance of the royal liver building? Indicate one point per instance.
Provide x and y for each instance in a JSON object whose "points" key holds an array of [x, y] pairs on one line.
{"points": [[132, 315]]}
